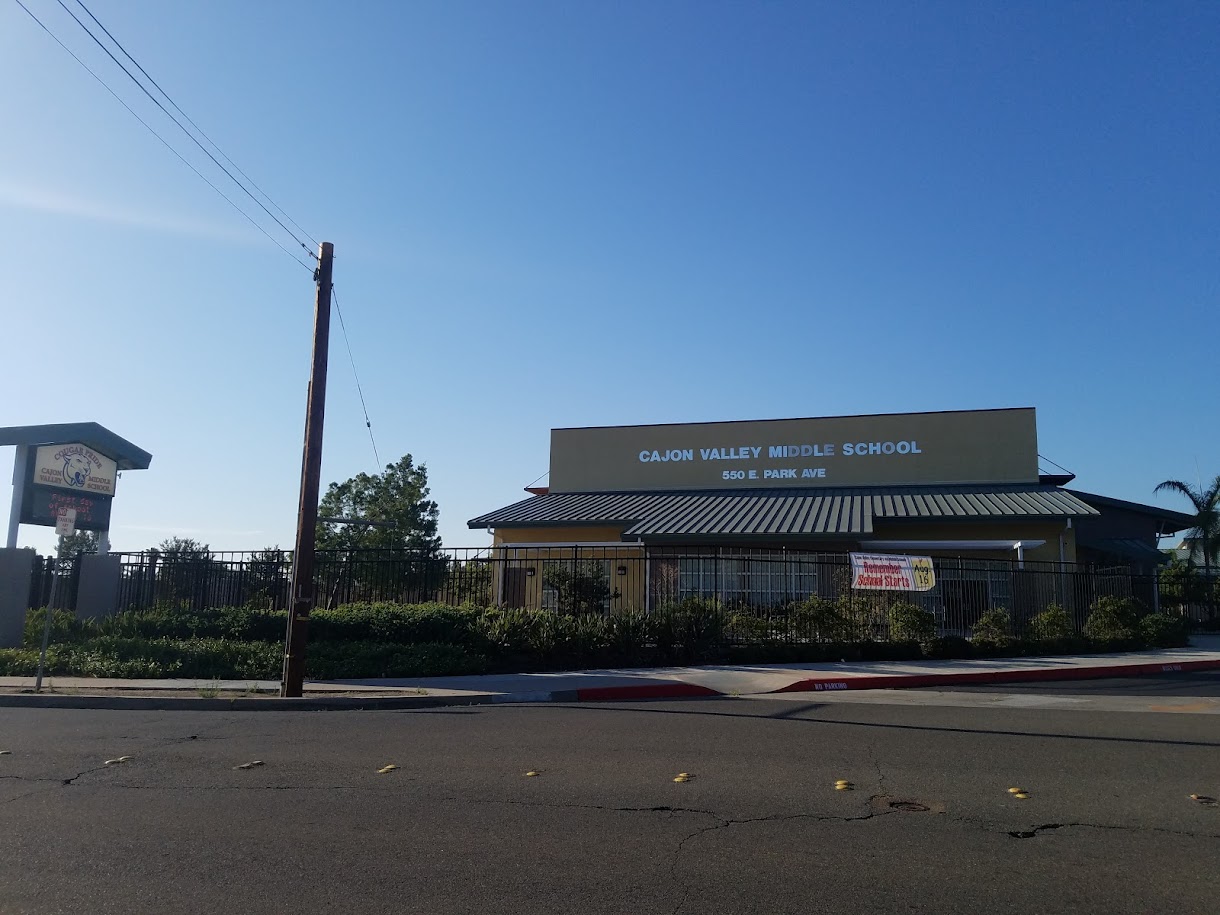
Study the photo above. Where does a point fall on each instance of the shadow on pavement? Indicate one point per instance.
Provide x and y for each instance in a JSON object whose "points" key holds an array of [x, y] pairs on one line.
{"points": [[797, 714]]}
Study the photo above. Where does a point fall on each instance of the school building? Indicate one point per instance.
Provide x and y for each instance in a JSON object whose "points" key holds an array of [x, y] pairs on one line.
{"points": [[753, 511]]}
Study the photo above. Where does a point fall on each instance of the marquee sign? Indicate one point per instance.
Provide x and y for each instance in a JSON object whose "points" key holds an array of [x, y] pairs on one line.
{"points": [[968, 446], [69, 478], [43, 505]]}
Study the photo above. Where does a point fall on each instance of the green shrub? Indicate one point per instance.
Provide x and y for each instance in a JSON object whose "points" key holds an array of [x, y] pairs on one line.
{"points": [[1164, 630], [510, 631], [386, 622], [911, 623], [110, 656], [627, 637], [1052, 625], [950, 646], [23, 662], [993, 628], [1112, 619], [65, 627], [368, 660], [179, 622], [691, 631], [516, 639], [825, 620], [750, 627]]}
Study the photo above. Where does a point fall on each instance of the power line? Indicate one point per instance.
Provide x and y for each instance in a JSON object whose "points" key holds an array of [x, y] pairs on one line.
{"points": [[127, 54], [1052, 463], [359, 390], [164, 142], [180, 125]]}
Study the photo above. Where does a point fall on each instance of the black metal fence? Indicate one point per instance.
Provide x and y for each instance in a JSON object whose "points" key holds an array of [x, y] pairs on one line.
{"points": [[764, 593], [45, 591]]}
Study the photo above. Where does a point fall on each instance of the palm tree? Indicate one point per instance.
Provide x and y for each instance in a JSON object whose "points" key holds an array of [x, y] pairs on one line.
{"points": [[1205, 531]]}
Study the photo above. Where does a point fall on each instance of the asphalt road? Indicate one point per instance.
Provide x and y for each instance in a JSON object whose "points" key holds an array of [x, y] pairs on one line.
{"points": [[459, 828], [1190, 683]]}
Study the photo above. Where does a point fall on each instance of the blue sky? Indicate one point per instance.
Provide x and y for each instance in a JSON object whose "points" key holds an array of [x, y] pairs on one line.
{"points": [[572, 213]]}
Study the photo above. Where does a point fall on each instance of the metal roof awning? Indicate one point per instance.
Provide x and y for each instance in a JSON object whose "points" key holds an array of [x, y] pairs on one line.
{"points": [[1126, 547], [822, 512], [953, 544], [1169, 521], [91, 435]]}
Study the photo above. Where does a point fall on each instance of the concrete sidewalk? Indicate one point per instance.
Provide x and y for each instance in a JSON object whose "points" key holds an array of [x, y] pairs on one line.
{"points": [[602, 685]]}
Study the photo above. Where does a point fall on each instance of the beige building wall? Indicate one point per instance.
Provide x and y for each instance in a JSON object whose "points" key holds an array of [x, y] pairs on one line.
{"points": [[525, 555]]}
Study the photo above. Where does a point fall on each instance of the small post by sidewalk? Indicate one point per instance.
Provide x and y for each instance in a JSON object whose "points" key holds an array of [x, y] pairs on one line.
{"points": [[64, 527]]}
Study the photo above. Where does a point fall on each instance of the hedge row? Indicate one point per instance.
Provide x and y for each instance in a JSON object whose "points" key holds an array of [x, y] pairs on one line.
{"points": [[220, 659], [386, 640]]}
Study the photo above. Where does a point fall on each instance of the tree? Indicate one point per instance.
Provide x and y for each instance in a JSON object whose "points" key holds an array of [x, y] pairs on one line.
{"points": [[580, 586], [182, 549], [78, 542], [1205, 527], [185, 571], [396, 499], [266, 578]]}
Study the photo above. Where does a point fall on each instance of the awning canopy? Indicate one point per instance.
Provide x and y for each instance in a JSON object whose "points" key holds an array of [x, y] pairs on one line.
{"points": [[91, 435], [1128, 548], [787, 512]]}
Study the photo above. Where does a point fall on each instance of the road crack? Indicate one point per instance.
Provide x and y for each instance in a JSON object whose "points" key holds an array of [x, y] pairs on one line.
{"points": [[872, 755], [1049, 827], [727, 823]]}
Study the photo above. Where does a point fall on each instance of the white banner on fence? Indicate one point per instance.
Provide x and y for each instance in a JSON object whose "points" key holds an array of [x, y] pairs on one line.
{"points": [[878, 572]]}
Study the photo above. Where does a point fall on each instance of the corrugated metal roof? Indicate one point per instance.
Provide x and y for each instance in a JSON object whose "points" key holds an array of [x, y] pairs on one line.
{"points": [[99, 438], [771, 512], [1171, 521], [1124, 546]]}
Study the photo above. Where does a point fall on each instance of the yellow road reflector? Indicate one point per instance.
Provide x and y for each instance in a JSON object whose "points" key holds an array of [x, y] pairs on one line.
{"points": [[683, 775], [1016, 791], [844, 788], [842, 781], [1022, 795], [532, 773], [384, 769]]}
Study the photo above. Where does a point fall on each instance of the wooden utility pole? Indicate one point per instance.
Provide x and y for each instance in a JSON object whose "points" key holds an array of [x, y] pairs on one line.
{"points": [[311, 481]]}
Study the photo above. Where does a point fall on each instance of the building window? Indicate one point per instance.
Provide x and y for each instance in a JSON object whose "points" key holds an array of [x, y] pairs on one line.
{"points": [[752, 581], [965, 594]]}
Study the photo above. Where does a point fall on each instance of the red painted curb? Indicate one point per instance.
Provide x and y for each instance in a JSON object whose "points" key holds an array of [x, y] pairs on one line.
{"points": [[651, 691], [907, 681]]}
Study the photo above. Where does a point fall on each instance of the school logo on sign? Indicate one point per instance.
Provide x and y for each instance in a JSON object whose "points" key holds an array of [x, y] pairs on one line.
{"points": [[76, 467], [76, 471]]}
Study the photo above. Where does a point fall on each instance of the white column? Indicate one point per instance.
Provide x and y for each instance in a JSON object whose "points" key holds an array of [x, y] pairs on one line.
{"points": [[20, 463]]}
